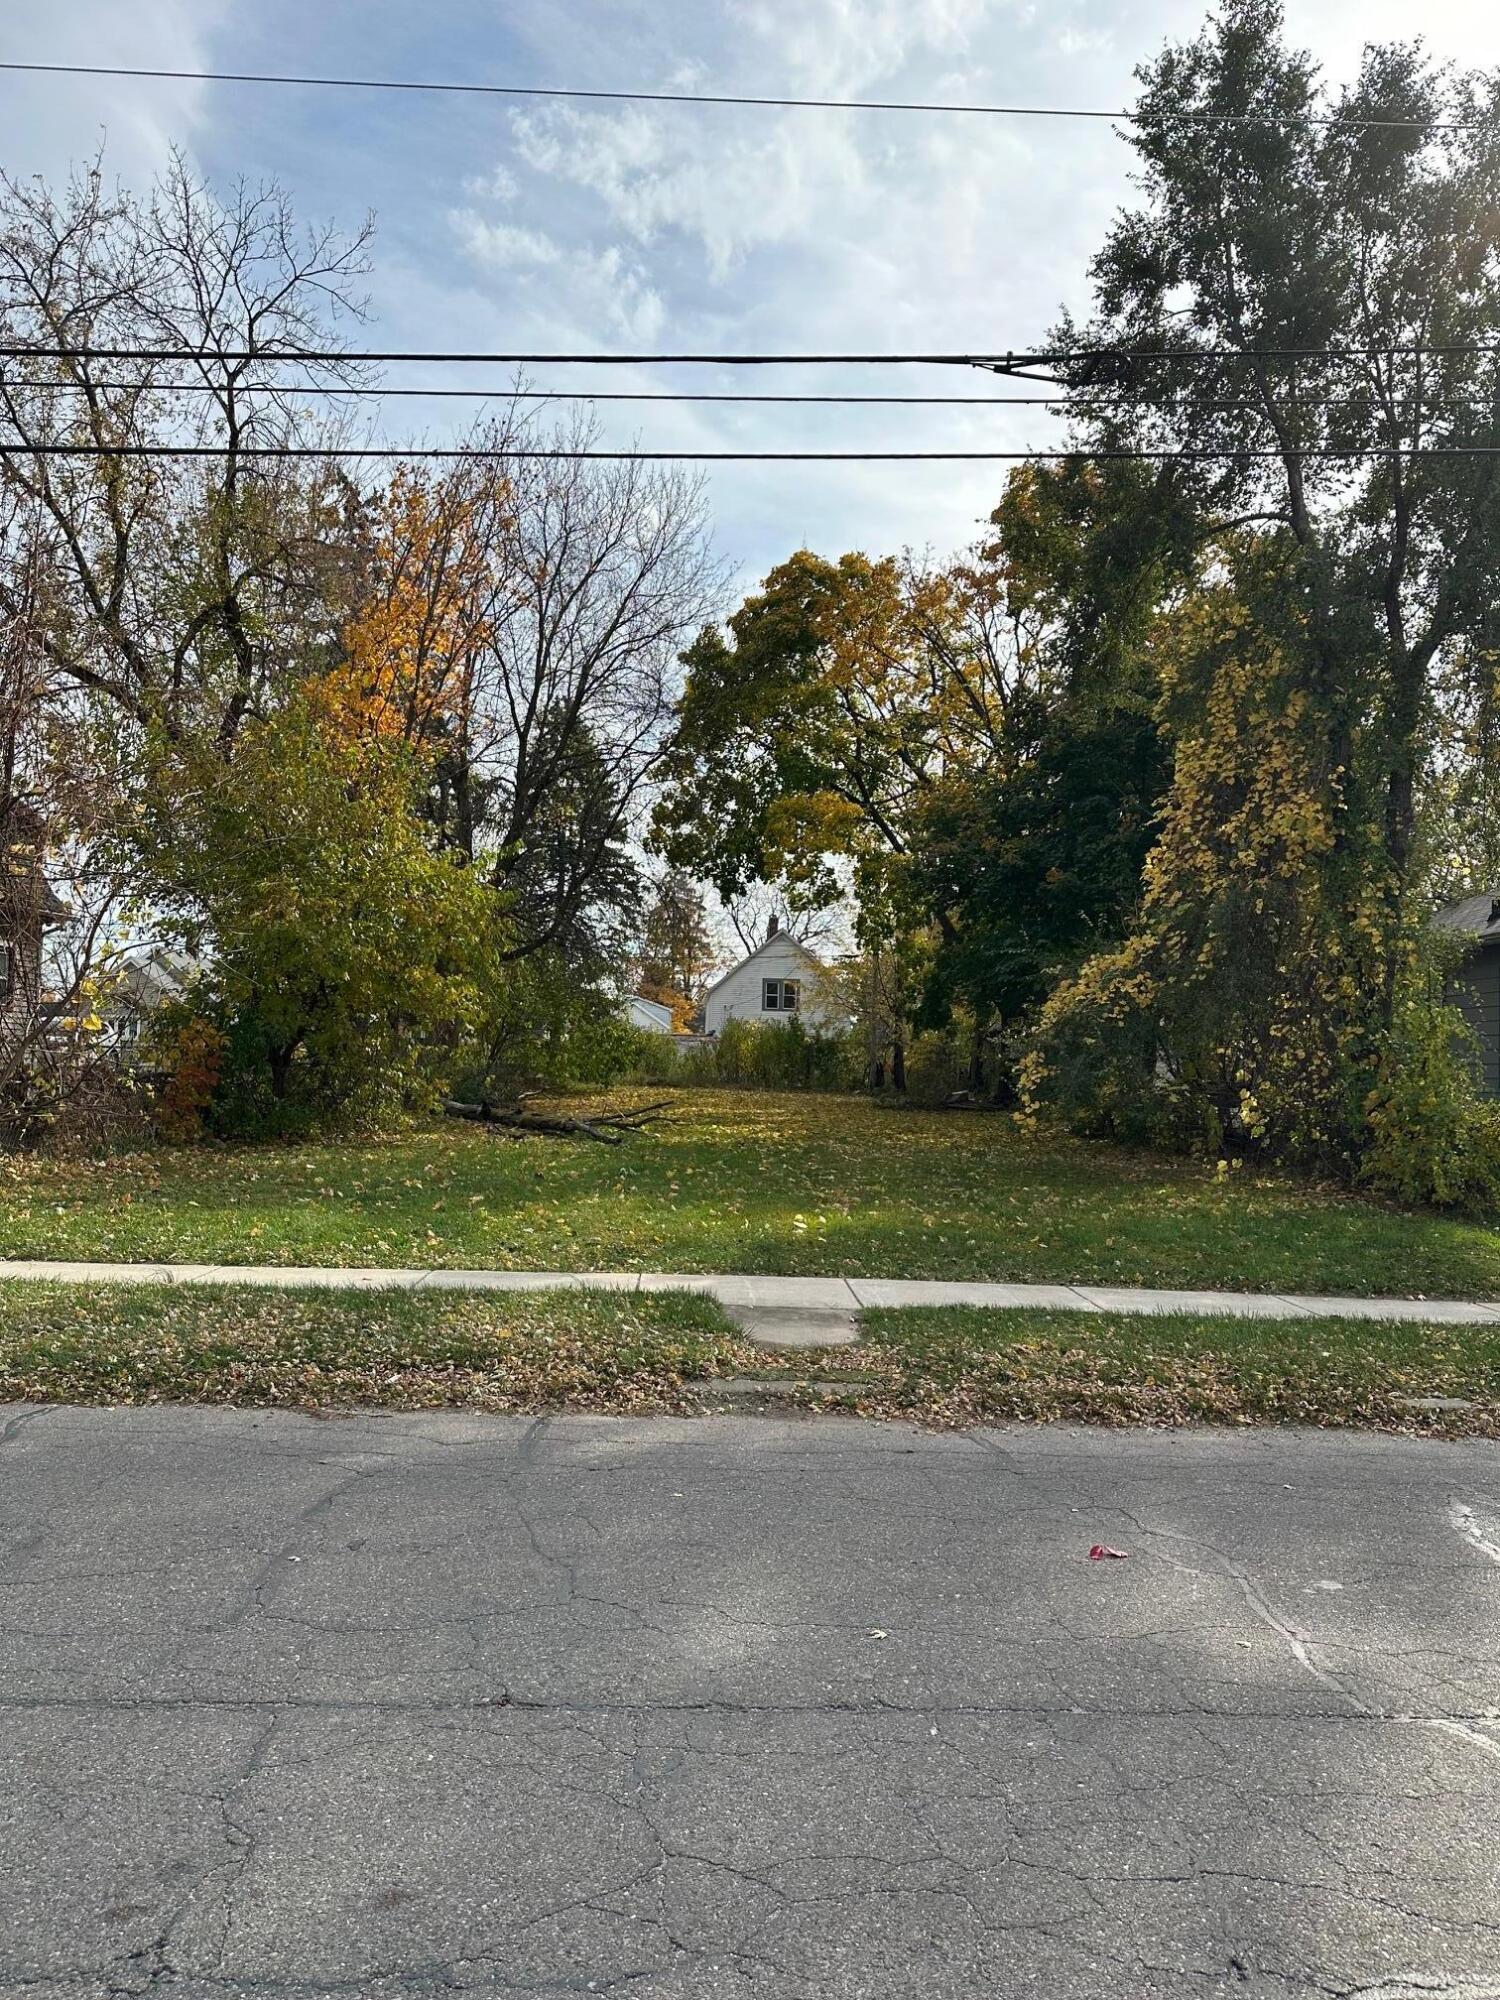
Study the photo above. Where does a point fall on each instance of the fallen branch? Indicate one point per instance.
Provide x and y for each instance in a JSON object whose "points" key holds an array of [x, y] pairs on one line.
{"points": [[608, 1130]]}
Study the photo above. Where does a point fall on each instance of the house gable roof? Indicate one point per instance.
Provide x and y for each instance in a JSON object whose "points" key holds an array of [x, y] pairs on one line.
{"points": [[776, 937], [658, 1009], [1477, 917], [23, 834]]}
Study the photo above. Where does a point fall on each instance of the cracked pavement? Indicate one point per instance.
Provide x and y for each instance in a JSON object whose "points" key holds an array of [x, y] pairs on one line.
{"points": [[452, 1704]]}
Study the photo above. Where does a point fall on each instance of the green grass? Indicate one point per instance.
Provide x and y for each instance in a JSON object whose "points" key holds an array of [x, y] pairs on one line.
{"points": [[746, 1182], [600, 1351], [303, 1349], [962, 1366]]}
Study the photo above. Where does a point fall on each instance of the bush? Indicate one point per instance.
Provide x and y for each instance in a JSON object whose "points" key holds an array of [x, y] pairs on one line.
{"points": [[1433, 1138], [593, 1047], [771, 1055], [936, 1066], [193, 1060], [81, 1102]]}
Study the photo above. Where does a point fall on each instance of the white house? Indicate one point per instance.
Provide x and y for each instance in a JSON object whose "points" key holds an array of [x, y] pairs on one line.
{"points": [[648, 1014], [136, 985], [780, 979]]}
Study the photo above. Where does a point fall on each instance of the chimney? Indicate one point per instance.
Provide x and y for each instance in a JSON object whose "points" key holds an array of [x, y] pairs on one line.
{"points": [[773, 925]]}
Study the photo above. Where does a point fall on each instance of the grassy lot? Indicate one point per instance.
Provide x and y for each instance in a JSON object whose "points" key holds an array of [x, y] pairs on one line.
{"points": [[604, 1352], [745, 1182]]}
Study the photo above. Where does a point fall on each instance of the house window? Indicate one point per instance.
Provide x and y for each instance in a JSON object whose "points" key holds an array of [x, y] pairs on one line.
{"points": [[779, 996]]}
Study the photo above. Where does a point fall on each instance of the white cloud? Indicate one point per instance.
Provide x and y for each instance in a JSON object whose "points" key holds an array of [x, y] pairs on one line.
{"points": [[837, 47], [503, 244], [498, 184], [572, 284], [53, 123], [765, 183], [589, 228]]}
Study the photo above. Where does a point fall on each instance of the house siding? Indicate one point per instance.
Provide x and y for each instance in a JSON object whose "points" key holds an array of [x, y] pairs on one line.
{"points": [[737, 997], [1476, 990], [651, 1015], [22, 890]]}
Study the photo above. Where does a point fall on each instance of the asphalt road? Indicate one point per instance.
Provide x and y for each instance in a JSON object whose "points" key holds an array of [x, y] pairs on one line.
{"points": [[396, 1706]]}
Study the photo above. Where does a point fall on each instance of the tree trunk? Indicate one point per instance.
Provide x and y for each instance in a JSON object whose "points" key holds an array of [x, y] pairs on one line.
{"points": [[898, 1065], [280, 1060]]}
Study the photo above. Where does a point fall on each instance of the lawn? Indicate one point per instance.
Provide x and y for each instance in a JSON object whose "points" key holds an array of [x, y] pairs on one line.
{"points": [[964, 1366], [606, 1352], [314, 1350], [747, 1182]]}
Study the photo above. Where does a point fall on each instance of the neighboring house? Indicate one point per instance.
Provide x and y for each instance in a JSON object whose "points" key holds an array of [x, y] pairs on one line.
{"points": [[28, 910], [1476, 984], [651, 1015], [780, 980], [135, 985]]}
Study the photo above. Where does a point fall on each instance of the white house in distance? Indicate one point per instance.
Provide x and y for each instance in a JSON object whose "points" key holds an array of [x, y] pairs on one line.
{"points": [[780, 979], [648, 1014]]}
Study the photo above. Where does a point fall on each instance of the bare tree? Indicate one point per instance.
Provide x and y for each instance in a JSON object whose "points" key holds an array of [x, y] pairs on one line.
{"points": [[752, 916], [176, 588], [548, 599]]}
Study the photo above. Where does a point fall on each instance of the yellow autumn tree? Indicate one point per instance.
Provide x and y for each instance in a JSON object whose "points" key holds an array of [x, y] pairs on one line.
{"points": [[1233, 1010], [426, 611]]}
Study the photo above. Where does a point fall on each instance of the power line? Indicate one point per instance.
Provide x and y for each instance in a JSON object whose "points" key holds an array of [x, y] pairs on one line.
{"points": [[365, 389], [504, 454], [16, 351], [1382, 122], [1076, 400], [995, 363]]}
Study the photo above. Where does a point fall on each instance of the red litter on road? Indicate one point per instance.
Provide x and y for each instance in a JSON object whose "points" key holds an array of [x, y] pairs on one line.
{"points": [[1101, 1552]]}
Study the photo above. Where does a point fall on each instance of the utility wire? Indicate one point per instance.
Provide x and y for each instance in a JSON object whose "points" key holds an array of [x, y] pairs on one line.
{"points": [[16, 351], [534, 395], [503, 455], [1000, 364], [1079, 399], [1382, 122]]}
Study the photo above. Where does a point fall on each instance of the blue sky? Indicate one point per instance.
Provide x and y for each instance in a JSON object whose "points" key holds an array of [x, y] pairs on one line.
{"points": [[555, 226]]}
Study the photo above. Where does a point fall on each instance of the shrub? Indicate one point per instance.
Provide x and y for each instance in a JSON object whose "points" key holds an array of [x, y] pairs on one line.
{"points": [[936, 1066], [193, 1058], [1432, 1137], [774, 1055]]}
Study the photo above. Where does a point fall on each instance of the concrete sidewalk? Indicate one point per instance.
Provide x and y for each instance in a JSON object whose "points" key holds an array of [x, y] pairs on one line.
{"points": [[773, 1294]]}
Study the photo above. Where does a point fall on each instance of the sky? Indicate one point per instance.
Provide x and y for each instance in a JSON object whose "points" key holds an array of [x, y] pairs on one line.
{"points": [[550, 226]]}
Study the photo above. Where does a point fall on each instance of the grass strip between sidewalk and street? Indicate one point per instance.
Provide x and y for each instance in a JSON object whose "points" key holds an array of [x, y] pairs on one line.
{"points": [[390, 1349], [961, 1365], [628, 1353]]}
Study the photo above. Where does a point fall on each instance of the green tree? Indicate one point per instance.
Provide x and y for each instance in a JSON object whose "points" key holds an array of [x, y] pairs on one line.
{"points": [[348, 963], [1326, 293], [806, 736], [801, 735], [1037, 864], [1306, 301], [677, 950], [1027, 851], [971, 750]]}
